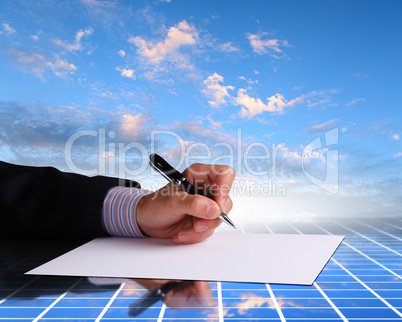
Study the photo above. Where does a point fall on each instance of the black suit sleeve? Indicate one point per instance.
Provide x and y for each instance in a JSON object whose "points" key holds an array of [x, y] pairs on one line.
{"points": [[43, 201]]}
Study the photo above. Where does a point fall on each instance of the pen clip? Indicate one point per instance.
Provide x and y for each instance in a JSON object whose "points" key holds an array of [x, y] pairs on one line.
{"points": [[165, 169]]}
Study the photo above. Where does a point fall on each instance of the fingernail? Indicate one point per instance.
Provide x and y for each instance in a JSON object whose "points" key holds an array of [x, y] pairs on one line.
{"points": [[200, 228], [224, 202], [184, 237], [211, 211]]}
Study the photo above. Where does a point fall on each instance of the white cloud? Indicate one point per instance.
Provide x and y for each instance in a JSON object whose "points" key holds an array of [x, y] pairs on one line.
{"points": [[252, 106], [355, 100], [320, 97], [129, 73], [249, 81], [265, 46], [399, 154], [395, 136], [61, 67], [206, 131], [178, 36], [133, 125], [227, 47], [109, 94], [323, 126], [121, 53], [77, 44], [107, 12], [8, 29], [361, 75], [217, 92], [34, 37], [38, 64]]}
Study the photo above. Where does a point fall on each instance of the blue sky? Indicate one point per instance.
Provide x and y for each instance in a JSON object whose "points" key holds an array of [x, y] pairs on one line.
{"points": [[277, 74]]}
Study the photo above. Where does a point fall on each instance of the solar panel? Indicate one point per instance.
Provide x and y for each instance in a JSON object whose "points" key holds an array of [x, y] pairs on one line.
{"points": [[362, 282]]}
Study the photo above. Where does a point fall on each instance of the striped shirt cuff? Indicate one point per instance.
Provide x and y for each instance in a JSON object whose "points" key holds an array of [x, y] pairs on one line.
{"points": [[120, 211]]}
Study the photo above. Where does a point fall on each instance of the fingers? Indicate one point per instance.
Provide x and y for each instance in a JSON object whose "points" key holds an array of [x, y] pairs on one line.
{"points": [[167, 212], [202, 225], [194, 294], [195, 205], [201, 230], [223, 178], [204, 293], [171, 212], [219, 179], [226, 204]]}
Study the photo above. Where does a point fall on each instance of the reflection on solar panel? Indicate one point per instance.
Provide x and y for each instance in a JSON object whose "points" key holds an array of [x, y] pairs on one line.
{"points": [[362, 282]]}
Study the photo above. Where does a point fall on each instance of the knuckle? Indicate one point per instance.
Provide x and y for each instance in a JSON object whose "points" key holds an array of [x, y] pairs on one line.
{"points": [[231, 171], [196, 204], [229, 204], [226, 170], [176, 198]]}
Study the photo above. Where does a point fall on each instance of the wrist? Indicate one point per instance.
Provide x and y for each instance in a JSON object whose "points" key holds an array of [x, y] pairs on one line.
{"points": [[141, 215], [119, 211]]}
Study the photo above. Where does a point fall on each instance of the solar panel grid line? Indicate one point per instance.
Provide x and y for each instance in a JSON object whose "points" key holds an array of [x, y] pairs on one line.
{"points": [[268, 228], [349, 282], [107, 306], [368, 238], [297, 230], [274, 300], [379, 230], [161, 313], [18, 290], [361, 253], [56, 301], [63, 307], [321, 291], [241, 228], [389, 224], [330, 302], [84, 298], [220, 302], [367, 287], [18, 263]]}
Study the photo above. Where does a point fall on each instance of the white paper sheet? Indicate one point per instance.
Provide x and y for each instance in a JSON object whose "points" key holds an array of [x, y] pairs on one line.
{"points": [[260, 258]]}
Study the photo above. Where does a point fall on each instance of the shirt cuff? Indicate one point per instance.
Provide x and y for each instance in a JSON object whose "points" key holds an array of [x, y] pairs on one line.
{"points": [[119, 213]]}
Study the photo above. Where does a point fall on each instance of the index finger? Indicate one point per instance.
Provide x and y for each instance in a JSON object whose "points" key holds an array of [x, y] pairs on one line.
{"points": [[217, 178], [222, 178]]}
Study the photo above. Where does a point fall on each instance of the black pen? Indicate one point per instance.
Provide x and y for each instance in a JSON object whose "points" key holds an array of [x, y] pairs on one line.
{"points": [[153, 296], [178, 179]]}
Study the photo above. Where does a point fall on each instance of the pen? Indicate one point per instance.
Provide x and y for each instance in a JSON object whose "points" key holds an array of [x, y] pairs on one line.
{"points": [[178, 179], [153, 296]]}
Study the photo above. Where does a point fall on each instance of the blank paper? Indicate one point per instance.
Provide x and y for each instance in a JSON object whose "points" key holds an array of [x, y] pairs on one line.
{"points": [[260, 258]]}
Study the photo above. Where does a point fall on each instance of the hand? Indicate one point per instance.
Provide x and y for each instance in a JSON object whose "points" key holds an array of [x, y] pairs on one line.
{"points": [[173, 213], [191, 294], [194, 294]]}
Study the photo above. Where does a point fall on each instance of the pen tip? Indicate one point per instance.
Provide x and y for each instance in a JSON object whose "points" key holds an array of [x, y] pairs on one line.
{"points": [[230, 222]]}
